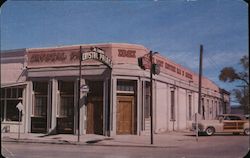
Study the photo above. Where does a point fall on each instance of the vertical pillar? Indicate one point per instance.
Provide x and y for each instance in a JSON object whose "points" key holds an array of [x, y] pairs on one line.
{"points": [[113, 107], [49, 106], [82, 112], [54, 105], [167, 104], [29, 105], [138, 107], [142, 105], [105, 108], [177, 112]]}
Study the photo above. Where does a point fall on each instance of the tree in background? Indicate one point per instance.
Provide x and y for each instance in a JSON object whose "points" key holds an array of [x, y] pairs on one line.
{"points": [[229, 74]]}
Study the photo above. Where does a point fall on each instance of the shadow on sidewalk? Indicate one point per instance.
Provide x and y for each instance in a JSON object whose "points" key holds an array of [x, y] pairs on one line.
{"points": [[98, 140], [51, 133]]}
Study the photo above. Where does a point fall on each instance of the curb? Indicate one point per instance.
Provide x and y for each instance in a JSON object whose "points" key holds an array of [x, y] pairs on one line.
{"points": [[86, 144]]}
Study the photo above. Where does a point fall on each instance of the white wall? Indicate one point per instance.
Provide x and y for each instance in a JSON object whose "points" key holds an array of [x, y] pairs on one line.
{"points": [[182, 108], [161, 107]]}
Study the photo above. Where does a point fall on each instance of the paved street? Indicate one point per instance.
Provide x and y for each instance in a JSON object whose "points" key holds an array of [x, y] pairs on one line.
{"points": [[223, 146]]}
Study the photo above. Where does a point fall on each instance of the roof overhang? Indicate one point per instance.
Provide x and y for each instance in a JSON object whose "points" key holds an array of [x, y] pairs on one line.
{"points": [[13, 84]]}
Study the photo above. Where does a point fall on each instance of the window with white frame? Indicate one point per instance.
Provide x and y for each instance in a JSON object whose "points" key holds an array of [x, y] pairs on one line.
{"points": [[66, 106], [127, 86], [40, 100], [172, 102], [212, 109], [10, 97], [147, 100], [189, 107], [208, 108], [216, 110]]}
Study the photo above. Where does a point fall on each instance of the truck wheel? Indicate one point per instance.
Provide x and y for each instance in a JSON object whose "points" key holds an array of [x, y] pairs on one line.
{"points": [[210, 131], [247, 132]]}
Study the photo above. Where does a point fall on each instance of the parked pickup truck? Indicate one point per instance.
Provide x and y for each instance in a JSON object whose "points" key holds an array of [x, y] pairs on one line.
{"points": [[226, 123]]}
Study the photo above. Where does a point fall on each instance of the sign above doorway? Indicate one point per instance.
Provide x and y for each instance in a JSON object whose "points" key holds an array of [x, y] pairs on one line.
{"points": [[97, 54]]}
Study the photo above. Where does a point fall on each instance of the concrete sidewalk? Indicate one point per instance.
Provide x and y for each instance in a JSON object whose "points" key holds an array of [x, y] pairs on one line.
{"points": [[169, 139]]}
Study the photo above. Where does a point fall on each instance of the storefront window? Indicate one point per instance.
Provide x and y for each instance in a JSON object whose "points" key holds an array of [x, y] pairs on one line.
{"points": [[40, 104], [208, 108], [2, 93], [190, 107], [147, 101], [8, 92], [67, 103], [2, 109], [12, 112], [66, 99], [216, 110], [172, 106], [10, 97]]}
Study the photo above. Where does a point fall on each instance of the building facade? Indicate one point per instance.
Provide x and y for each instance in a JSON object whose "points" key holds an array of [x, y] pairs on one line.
{"points": [[48, 82]]}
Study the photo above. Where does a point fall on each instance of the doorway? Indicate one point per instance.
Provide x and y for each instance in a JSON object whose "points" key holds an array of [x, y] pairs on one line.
{"points": [[125, 118], [39, 108], [65, 112], [95, 108]]}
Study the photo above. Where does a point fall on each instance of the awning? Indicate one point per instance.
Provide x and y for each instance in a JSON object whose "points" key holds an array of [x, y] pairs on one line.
{"points": [[13, 84]]}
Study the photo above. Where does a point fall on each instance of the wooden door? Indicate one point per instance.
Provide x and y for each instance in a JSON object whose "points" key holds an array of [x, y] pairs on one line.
{"points": [[125, 115], [95, 115]]}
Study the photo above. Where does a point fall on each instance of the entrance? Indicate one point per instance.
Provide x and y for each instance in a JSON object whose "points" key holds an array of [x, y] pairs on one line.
{"points": [[125, 115], [95, 108], [65, 118], [39, 111]]}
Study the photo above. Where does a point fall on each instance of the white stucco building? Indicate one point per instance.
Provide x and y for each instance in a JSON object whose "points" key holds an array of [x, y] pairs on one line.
{"points": [[46, 81]]}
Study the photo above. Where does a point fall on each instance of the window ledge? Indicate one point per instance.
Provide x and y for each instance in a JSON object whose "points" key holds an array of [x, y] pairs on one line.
{"points": [[11, 122]]}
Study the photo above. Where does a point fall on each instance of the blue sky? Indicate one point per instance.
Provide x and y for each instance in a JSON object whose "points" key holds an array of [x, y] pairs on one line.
{"points": [[175, 28]]}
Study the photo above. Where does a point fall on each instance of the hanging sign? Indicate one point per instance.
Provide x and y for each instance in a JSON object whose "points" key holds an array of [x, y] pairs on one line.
{"points": [[97, 54], [19, 106], [84, 88]]}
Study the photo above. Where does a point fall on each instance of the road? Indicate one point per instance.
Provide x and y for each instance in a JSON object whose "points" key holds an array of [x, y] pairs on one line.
{"points": [[207, 147]]}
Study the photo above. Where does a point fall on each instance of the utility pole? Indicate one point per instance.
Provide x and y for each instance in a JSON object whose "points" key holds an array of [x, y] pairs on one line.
{"points": [[154, 69], [199, 97], [151, 96], [79, 93], [200, 79]]}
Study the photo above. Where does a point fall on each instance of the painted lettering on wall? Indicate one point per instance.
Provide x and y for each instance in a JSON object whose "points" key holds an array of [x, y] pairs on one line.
{"points": [[188, 75], [48, 57], [126, 53], [176, 69], [170, 67]]}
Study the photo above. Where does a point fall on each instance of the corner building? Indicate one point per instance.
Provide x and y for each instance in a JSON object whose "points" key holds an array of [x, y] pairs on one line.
{"points": [[46, 82]]}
